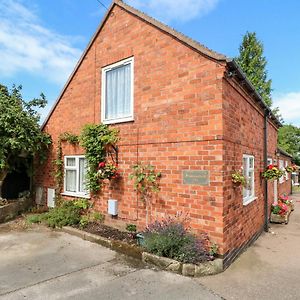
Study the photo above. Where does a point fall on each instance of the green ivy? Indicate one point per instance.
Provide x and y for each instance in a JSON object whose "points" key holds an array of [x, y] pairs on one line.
{"points": [[95, 139], [69, 137], [59, 163]]}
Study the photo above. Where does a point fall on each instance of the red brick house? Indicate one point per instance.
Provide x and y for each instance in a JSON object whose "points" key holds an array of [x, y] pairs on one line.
{"points": [[180, 107]]}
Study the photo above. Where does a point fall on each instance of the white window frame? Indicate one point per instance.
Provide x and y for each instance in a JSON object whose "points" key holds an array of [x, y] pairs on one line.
{"points": [[249, 197], [269, 161], [286, 173], [76, 168], [281, 167], [103, 92]]}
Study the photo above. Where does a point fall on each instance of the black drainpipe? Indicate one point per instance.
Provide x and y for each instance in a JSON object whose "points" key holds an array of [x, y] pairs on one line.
{"points": [[266, 210]]}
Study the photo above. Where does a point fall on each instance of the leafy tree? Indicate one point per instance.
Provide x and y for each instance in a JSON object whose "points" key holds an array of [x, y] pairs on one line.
{"points": [[253, 63], [20, 134], [289, 140]]}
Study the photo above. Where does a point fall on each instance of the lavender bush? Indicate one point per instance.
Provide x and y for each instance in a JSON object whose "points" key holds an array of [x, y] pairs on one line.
{"points": [[171, 238]]}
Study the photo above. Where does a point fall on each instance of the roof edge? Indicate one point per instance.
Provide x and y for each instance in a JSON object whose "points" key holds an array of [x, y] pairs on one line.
{"points": [[283, 152], [78, 64], [232, 63]]}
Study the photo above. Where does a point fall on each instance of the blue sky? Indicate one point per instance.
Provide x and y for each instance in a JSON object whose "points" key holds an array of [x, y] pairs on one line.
{"points": [[41, 40]]}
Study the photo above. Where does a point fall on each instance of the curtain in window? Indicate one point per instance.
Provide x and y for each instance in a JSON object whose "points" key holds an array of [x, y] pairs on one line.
{"points": [[118, 92], [71, 162], [245, 169], [82, 171], [70, 180]]}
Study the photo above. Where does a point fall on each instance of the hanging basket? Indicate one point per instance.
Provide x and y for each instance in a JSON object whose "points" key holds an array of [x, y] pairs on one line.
{"points": [[272, 173]]}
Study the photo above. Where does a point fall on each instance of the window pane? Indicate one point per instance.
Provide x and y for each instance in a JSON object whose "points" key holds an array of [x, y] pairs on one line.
{"points": [[82, 173], [251, 162], [118, 92], [70, 181], [251, 183], [71, 162], [245, 167], [245, 193]]}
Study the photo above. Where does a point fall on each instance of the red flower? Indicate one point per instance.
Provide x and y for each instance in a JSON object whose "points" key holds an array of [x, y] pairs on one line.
{"points": [[102, 165], [270, 167]]}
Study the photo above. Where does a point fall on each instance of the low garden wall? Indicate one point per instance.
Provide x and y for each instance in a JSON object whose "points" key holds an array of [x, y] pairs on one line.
{"points": [[14, 208]]}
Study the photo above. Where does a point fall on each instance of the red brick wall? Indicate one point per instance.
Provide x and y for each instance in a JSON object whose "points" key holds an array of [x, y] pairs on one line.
{"points": [[243, 134], [178, 122]]}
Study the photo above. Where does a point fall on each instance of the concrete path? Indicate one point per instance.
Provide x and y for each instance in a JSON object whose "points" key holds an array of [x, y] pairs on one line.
{"points": [[38, 263], [270, 269]]}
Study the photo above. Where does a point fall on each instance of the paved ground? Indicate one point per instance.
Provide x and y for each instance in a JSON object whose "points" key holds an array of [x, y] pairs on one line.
{"points": [[270, 269], [38, 263]]}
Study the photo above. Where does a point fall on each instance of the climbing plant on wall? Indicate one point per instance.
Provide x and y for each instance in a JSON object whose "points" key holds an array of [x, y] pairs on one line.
{"points": [[59, 162], [146, 183], [97, 141]]}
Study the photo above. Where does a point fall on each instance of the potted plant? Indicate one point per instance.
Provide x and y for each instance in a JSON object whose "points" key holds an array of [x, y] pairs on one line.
{"points": [[287, 201], [107, 171], [272, 172], [238, 178], [279, 213]]}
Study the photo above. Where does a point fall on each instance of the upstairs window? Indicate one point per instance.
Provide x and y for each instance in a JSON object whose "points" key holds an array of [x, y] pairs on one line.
{"points": [[117, 92], [248, 190]]}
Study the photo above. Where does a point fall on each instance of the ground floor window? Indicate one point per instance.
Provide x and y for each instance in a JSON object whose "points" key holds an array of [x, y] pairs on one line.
{"points": [[281, 167], [248, 190], [75, 175]]}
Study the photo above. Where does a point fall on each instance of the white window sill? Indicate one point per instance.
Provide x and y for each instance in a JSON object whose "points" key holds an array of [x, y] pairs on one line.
{"points": [[249, 200], [69, 194], [116, 121]]}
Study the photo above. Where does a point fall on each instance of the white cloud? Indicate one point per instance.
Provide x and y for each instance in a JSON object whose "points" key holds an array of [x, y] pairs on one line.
{"points": [[26, 45], [175, 10], [289, 105]]}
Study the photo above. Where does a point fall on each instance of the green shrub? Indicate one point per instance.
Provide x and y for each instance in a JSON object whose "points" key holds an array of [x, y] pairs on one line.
{"points": [[97, 217], [82, 203], [84, 220], [170, 238], [131, 227], [91, 217], [67, 214], [33, 219]]}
